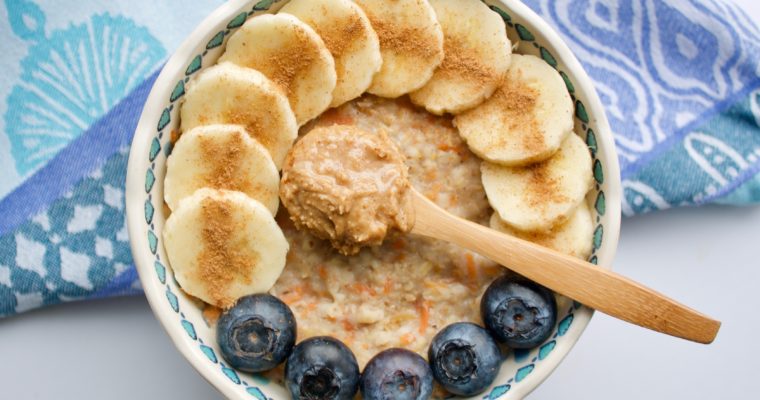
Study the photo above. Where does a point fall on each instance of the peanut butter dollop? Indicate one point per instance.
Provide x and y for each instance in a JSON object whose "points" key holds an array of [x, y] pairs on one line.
{"points": [[348, 186]]}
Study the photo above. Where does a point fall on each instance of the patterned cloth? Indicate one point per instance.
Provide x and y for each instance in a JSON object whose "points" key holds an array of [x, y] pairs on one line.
{"points": [[680, 80]]}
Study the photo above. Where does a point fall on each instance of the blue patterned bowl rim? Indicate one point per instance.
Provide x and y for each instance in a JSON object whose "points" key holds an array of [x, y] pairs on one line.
{"points": [[181, 316]]}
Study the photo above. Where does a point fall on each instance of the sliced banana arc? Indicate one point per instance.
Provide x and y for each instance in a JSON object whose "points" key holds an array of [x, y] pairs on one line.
{"points": [[411, 43], [347, 33], [292, 55], [573, 237], [221, 157], [477, 55], [223, 245], [540, 196], [229, 94], [526, 119]]}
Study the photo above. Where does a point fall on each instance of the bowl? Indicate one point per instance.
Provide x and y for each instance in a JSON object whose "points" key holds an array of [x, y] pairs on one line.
{"points": [[181, 315]]}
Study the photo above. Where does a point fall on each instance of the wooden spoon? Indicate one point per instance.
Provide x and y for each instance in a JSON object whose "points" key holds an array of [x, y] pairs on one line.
{"points": [[598, 288]]}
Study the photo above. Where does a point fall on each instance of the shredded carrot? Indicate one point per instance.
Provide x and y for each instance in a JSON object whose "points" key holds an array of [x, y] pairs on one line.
{"points": [[174, 136], [434, 191], [407, 338], [335, 117], [348, 326], [355, 287], [296, 293], [311, 306], [445, 147], [211, 314], [371, 290], [456, 148], [472, 271], [331, 318], [388, 286], [322, 271], [291, 297], [423, 308], [359, 287]]}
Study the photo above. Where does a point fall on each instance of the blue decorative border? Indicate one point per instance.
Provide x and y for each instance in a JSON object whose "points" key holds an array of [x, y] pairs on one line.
{"points": [[155, 151], [600, 208]]}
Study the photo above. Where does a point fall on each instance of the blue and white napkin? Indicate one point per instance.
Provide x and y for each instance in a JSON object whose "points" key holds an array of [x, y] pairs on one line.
{"points": [[680, 80]]}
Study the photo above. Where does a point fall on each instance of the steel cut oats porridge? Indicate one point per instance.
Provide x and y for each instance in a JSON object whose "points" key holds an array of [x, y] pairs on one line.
{"points": [[401, 293]]}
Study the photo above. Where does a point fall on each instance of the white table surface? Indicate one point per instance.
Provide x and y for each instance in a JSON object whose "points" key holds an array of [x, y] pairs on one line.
{"points": [[708, 258]]}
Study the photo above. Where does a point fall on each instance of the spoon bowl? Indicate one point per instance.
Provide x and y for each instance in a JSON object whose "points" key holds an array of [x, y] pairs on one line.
{"points": [[183, 317]]}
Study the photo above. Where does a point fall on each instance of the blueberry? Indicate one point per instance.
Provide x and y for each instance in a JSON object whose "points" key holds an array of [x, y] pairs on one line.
{"points": [[322, 368], [257, 333], [520, 314], [464, 358], [397, 374]]}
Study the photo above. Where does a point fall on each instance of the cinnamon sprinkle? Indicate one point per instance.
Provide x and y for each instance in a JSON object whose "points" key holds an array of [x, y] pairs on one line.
{"points": [[517, 104], [291, 61], [223, 261], [543, 187], [224, 159], [461, 62], [339, 36], [249, 118], [403, 40]]}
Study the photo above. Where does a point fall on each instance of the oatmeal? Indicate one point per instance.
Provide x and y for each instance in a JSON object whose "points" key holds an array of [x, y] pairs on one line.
{"points": [[347, 185], [401, 293]]}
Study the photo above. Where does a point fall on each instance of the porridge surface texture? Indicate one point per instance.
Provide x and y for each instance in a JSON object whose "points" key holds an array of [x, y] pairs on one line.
{"points": [[400, 293]]}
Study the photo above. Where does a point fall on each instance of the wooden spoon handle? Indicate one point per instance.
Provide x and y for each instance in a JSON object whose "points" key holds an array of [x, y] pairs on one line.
{"points": [[598, 288]]}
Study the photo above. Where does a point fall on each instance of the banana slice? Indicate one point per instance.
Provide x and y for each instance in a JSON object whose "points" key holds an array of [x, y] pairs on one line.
{"points": [[477, 54], [411, 42], [525, 120], [223, 245], [540, 196], [221, 157], [229, 94], [348, 35], [573, 237], [292, 55]]}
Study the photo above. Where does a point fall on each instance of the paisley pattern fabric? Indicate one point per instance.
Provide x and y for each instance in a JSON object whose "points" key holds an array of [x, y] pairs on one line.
{"points": [[680, 81]]}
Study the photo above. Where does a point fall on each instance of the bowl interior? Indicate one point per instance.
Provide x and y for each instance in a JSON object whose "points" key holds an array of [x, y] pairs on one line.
{"points": [[181, 315]]}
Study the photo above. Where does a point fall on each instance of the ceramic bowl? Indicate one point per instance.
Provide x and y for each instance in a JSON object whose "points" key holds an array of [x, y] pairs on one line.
{"points": [[181, 315]]}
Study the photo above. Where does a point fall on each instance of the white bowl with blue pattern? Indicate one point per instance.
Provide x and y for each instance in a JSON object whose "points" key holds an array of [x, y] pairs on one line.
{"points": [[181, 315]]}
